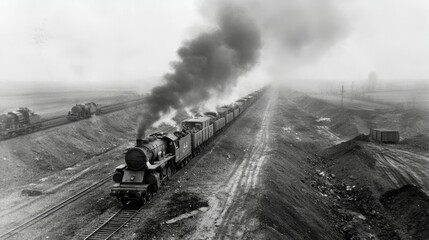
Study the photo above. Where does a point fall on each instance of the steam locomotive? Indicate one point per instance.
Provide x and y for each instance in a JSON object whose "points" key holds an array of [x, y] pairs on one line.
{"points": [[83, 110], [18, 122], [154, 159]]}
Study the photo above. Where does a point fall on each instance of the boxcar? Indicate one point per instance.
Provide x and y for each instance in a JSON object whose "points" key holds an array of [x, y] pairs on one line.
{"points": [[229, 117], [219, 124], [236, 113], [244, 101], [384, 135], [240, 106]]}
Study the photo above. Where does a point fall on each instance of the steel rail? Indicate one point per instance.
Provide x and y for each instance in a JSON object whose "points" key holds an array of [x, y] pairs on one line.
{"points": [[53, 209]]}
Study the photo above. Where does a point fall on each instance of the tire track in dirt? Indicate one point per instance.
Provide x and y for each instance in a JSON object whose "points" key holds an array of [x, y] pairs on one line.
{"points": [[402, 167], [226, 216]]}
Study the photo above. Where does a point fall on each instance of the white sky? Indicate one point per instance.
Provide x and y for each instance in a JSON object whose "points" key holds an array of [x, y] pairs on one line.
{"points": [[390, 37], [119, 42]]}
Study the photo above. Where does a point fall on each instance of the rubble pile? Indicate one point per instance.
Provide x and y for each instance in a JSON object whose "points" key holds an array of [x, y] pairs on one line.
{"points": [[345, 176]]}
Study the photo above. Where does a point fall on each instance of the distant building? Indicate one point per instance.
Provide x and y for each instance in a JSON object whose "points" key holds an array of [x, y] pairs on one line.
{"points": [[384, 135]]}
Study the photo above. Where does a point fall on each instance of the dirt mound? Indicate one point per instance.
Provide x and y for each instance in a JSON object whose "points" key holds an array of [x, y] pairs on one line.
{"points": [[345, 122], [410, 208], [362, 137], [346, 180], [349, 160], [351, 122], [355, 179], [420, 141]]}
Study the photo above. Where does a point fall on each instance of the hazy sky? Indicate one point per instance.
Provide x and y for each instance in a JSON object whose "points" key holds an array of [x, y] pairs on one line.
{"points": [[119, 42]]}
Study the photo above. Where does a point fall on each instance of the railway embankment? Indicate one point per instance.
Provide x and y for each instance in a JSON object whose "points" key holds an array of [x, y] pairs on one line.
{"points": [[34, 157]]}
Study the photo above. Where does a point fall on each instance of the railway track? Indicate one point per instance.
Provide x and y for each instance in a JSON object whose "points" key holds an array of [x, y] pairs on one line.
{"points": [[116, 222], [53, 209]]}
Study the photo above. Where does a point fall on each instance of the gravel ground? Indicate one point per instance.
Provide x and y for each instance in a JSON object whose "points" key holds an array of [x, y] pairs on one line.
{"points": [[286, 169]]}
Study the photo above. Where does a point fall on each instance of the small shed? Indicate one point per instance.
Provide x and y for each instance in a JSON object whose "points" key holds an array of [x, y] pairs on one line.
{"points": [[384, 135]]}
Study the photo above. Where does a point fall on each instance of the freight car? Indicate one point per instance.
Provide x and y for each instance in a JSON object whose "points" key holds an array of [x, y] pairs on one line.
{"points": [[154, 159], [83, 110], [19, 122], [239, 106], [384, 135], [227, 112], [217, 121], [200, 130]]}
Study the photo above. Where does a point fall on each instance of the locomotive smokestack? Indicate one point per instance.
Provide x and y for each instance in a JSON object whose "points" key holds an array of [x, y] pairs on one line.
{"points": [[139, 142]]}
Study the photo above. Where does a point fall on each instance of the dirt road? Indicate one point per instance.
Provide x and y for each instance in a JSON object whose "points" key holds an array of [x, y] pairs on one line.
{"points": [[230, 205], [401, 167]]}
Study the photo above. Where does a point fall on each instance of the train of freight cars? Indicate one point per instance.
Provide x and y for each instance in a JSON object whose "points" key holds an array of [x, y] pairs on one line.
{"points": [[154, 159]]}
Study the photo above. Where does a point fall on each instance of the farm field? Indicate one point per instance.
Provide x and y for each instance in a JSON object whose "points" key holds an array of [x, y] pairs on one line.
{"points": [[49, 104], [383, 100], [353, 104], [419, 98]]}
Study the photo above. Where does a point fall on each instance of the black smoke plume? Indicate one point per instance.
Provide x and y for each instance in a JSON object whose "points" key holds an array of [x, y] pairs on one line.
{"points": [[208, 64]]}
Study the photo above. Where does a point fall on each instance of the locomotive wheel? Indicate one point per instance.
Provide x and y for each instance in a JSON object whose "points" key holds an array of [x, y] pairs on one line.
{"points": [[149, 196], [124, 201], [153, 188], [169, 173], [143, 200]]}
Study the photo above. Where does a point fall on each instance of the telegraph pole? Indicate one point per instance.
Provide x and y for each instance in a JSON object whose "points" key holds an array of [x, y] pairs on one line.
{"points": [[342, 95]]}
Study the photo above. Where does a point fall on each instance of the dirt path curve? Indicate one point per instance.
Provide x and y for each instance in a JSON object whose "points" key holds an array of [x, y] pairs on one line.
{"points": [[401, 167], [230, 205]]}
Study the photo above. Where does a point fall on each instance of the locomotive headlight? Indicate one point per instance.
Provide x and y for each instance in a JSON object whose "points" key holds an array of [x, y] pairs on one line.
{"points": [[132, 178]]}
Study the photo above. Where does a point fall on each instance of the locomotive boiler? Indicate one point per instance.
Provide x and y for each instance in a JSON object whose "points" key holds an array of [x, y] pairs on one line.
{"points": [[149, 164]]}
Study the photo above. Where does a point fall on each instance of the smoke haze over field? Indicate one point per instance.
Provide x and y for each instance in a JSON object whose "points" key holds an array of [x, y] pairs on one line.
{"points": [[210, 63]]}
